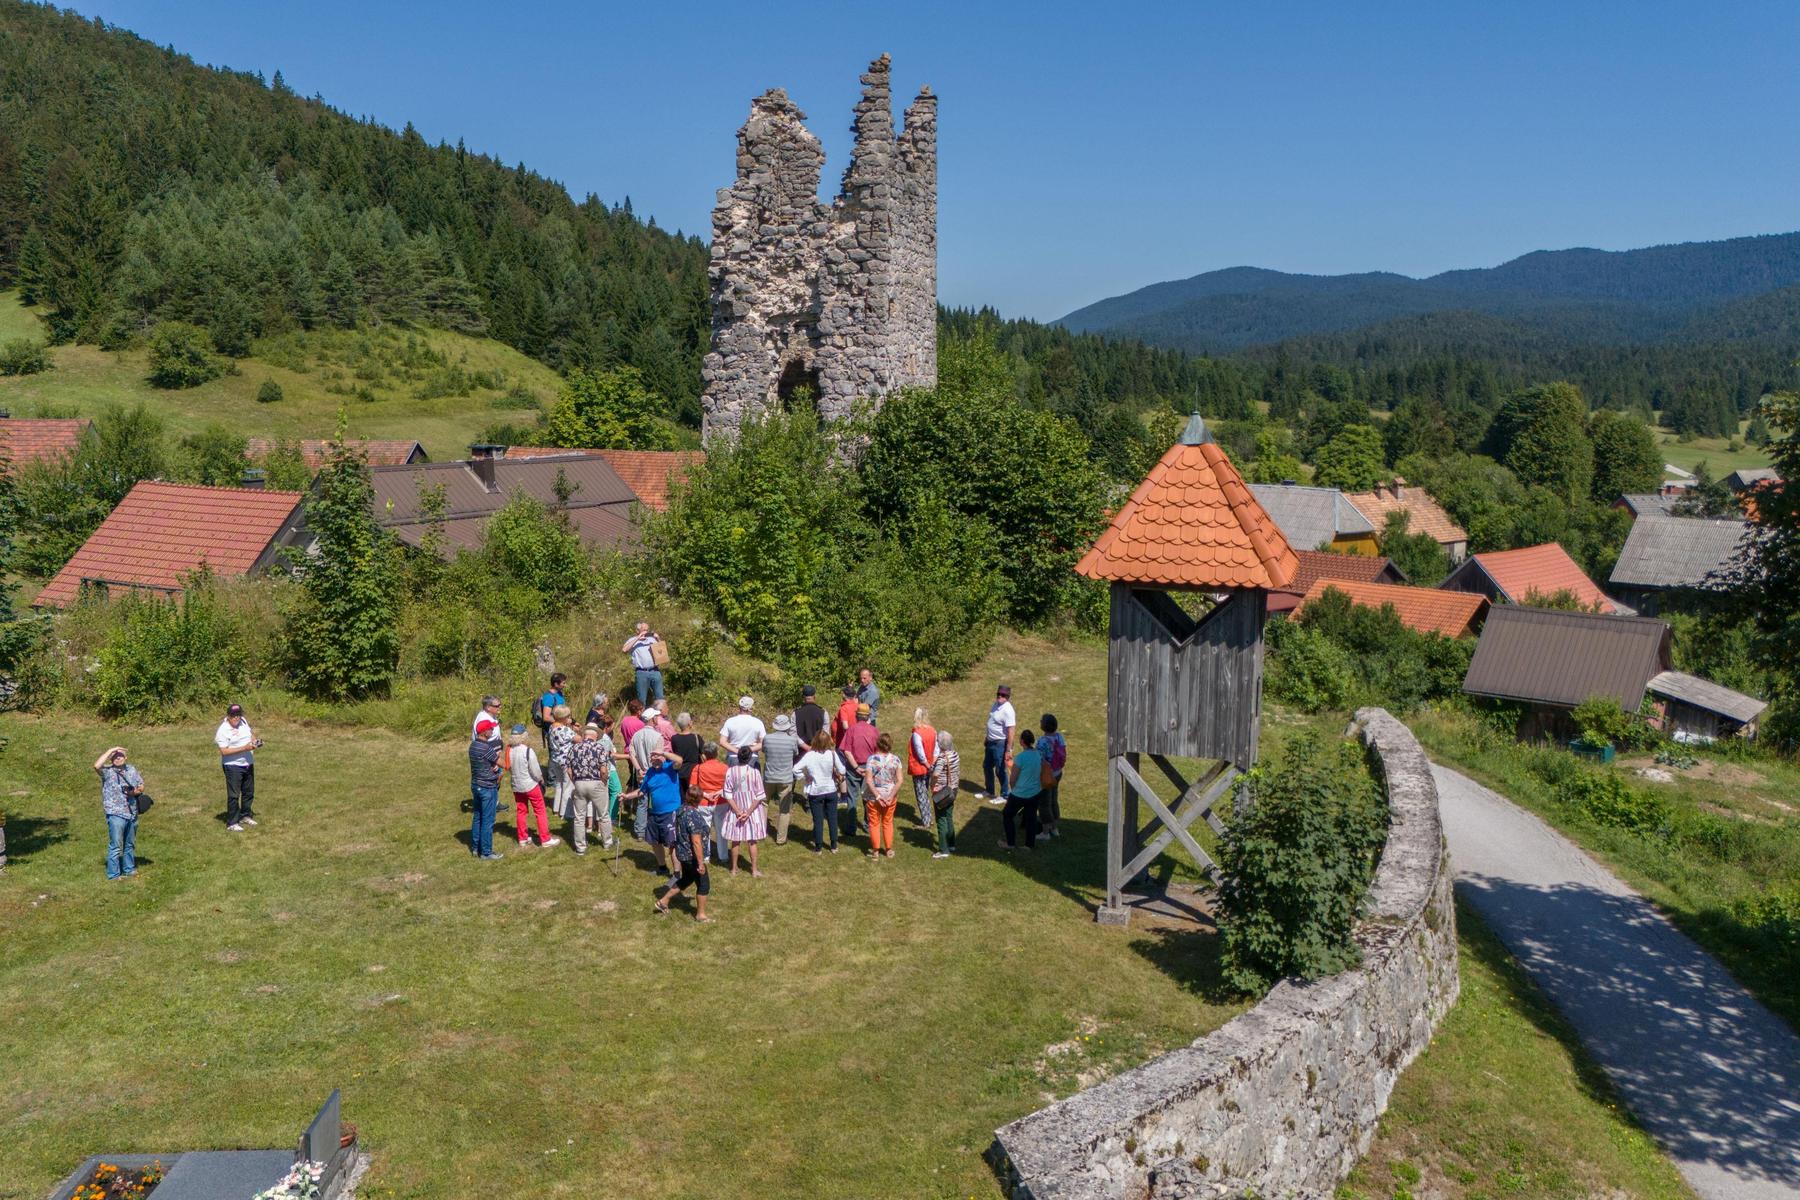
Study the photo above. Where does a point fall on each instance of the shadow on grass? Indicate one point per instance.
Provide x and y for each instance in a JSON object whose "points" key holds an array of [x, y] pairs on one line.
{"points": [[26, 836]]}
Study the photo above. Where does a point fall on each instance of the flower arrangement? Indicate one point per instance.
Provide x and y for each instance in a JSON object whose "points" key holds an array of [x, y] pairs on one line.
{"points": [[112, 1182], [300, 1183]]}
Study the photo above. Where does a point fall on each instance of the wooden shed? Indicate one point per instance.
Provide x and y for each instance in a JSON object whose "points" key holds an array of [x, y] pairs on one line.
{"points": [[1183, 680]]}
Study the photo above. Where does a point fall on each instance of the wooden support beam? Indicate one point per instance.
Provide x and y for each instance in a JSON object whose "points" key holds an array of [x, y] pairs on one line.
{"points": [[1114, 912], [1184, 790], [1174, 828]]}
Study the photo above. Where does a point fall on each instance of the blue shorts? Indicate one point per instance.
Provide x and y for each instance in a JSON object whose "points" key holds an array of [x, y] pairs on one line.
{"points": [[662, 829]]}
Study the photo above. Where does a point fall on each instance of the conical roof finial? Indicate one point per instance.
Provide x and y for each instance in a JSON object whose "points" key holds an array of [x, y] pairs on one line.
{"points": [[1196, 432]]}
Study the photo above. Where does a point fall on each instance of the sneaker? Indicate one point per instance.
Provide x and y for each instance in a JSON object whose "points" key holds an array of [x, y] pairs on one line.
{"points": [[235, 827], [940, 854], [554, 841], [249, 820], [890, 854], [495, 857], [834, 849], [996, 799], [1043, 837], [580, 853]]}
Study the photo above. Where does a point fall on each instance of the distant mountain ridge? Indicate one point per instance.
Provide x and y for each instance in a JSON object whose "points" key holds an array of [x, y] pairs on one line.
{"points": [[1581, 296]]}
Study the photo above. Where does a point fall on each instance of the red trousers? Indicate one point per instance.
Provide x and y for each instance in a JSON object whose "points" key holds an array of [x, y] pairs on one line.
{"points": [[535, 798]]}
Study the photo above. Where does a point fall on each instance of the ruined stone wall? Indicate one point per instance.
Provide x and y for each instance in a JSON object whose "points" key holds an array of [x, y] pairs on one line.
{"points": [[841, 299], [1283, 1099]]}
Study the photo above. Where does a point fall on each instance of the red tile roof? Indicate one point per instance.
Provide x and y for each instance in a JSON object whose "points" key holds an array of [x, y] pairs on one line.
{"points": [[1192, 523], [1427, 610], [1424, 514], [648, 472], [162, 531], [1540, 571], [381, 452], [28, 439], [1324, 564]]}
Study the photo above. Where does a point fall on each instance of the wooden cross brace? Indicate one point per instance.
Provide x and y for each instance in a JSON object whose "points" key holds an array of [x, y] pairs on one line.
{"points": [[1195, 800]]}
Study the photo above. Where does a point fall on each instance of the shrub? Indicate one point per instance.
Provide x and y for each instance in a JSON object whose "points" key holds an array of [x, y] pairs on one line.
{"points": [[181, 356], [1606, 799], [1297, 865], [527, 542], [163, 653], [269, 392], [1337, 652], [517, 397], [1309, 670], [22, 356], [1602, 720], [1775, 916]]}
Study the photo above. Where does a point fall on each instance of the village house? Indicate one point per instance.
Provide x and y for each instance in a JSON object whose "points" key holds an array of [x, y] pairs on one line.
{"points": [[1528, 575], [1325, 564], [649, 473], [161, 533], [1552, 661], [1423, 515], [1316, 518], [41, 439], [1640, 504], [1427, 610], [1666, 559]]}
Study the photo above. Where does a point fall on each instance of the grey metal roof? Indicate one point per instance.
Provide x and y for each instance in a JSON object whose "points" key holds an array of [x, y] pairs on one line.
{"points": [[1641, 504], [1310, 517], [1663, 551], [1548, 656], [1704, 693], [1744, 477], [599, 507]]}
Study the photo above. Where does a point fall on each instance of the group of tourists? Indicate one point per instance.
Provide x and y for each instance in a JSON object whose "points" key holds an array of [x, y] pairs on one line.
{"points": [[693, 799]]}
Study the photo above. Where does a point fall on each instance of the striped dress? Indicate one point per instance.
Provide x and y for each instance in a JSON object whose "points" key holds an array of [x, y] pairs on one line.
{"points": [[745, 787]]}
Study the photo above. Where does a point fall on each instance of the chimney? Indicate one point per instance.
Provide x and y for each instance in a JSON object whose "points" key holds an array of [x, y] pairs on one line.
{"points": [[484, 458], [1399, 488], [5, 414], [254, 478]]}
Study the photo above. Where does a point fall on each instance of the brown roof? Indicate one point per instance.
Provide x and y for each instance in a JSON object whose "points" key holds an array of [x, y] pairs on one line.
{"points": [[1192, 523], [381, 452], [1540, 571], [648, 472], [33, 439], [1325, 564], [1426, 515], [1425, 609], [1547, 656], [599, 508], [162, 531]]}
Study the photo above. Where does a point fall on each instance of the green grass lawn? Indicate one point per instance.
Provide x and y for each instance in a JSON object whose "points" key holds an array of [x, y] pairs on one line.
{"points": [[1505, 1103], [1716, 453], [847, 1028], [1697, 891], [86, 379]]}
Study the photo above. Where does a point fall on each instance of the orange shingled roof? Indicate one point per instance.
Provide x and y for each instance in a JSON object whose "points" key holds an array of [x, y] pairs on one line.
{"points": [[1542, 571], [162, 531], [647, 472], [1424, 514], [1192, 523], [41, 439], [381, 452], [1427, 610]]}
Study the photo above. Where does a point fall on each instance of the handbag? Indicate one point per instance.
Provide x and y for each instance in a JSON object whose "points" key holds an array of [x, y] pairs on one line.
{"points": [[140, 803]]}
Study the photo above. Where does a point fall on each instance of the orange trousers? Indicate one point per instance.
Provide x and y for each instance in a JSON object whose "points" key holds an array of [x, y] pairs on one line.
{"points": [[880, 818]]}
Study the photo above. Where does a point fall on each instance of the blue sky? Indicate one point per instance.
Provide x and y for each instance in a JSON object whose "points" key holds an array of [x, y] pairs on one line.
{"points": [[1087, 149]]}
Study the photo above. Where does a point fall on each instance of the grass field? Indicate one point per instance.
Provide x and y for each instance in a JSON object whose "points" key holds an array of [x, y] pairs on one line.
{"points": [[1698, 891], [389, 373], [846, 1028], [1505, 1103], [1720, 459]]}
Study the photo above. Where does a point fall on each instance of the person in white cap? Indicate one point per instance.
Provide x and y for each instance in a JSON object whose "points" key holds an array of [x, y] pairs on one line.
{"points": [[645, 742], [744, 731]]}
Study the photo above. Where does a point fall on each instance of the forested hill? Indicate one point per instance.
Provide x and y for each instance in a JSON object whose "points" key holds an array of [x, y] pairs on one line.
{"points": [[1569, 297], [137, 186]]}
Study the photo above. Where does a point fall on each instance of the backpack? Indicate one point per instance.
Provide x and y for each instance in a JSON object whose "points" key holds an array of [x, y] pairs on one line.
{"points": [[1059, 752], [537, 712]]}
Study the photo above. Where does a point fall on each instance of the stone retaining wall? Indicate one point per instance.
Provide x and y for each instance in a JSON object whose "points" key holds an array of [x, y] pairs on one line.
{"points": [[1283, 1099]]}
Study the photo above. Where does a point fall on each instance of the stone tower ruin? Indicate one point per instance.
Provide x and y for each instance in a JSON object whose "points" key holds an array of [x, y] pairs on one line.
{"points": [[840, 299]]}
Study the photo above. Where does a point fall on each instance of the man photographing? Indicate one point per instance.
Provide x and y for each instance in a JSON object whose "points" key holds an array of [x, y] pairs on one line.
{"points": [[237, 743], [641, 647]]}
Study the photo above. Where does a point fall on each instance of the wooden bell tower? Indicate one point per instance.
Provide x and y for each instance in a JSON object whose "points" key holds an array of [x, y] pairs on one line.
{"points": [[1183, 680]]}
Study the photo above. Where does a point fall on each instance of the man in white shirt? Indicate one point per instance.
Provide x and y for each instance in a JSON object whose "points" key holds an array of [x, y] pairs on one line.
{"points": [[488, 714], [237, 743], [745, 730], [643, 662], [1001, 722]]}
